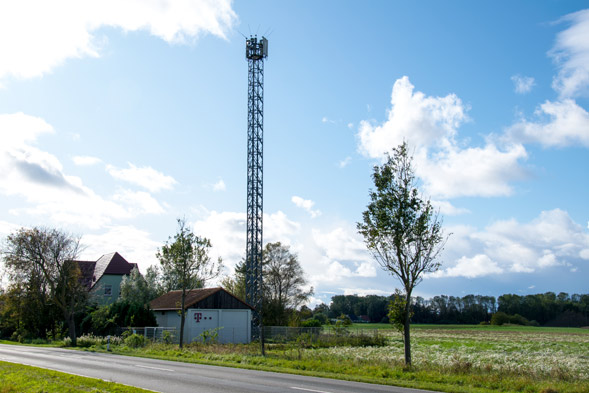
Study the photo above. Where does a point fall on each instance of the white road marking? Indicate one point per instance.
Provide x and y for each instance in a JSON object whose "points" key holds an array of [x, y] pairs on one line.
{"points": [[309, 390], [154, 368]]}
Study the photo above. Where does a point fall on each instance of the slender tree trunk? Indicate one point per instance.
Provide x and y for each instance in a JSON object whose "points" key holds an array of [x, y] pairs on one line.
{"points": [[182, 317], [406, 330], [71, 325]]}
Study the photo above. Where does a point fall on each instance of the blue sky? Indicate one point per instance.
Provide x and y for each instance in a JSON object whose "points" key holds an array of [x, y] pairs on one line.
{"points": [[116, 118]]}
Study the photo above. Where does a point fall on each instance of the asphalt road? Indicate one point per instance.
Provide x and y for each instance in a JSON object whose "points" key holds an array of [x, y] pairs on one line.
{"points": [[176, 377]]}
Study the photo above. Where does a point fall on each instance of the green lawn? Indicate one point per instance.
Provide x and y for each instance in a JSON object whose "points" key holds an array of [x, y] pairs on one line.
{"points": [[16, 378], [448, 358]]}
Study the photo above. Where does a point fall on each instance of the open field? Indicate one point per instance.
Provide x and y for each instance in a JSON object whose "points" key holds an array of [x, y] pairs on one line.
{"points": [[16, 378], [445, 358]]}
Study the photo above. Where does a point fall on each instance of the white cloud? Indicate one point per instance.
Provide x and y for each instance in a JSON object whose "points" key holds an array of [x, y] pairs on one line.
{"points": [[135, 245], [560, 123], [430, 126], [365, 291], [523, 84], [473, 171], [219, 186], [477, 266], [307, 205], [571, 53], [551, 240], [38, 177], [139, 202], [18, 130], [227, 231], [447, 209], [341, 244], [414, 117], [86, 160], [345, 162], [37, 36], [145, 177]]}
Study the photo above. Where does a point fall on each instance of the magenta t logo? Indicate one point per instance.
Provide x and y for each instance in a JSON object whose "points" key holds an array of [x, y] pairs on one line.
{"points": [[197, 316]]}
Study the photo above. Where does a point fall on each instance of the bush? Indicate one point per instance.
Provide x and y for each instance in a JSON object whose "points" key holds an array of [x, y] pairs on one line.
{"points": [[89, 340], [311, 323], [135, 341], [500, 318], [518, 320]]}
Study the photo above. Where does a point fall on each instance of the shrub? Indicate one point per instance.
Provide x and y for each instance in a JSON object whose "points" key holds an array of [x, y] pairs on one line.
{"points": [[88, 340], [500, 318], [311, 323], [135, 341], [167, 337], [518, 320]]}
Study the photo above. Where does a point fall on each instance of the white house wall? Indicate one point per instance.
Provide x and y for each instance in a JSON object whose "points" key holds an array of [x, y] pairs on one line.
{"points": [[234, 325]]}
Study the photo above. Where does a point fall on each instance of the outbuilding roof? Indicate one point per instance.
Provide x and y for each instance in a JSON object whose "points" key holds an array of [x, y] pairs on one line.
{"points": [[208, 298]]}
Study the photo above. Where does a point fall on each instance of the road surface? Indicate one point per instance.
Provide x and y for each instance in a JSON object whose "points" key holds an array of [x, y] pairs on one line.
{"points": [[177, 377]]}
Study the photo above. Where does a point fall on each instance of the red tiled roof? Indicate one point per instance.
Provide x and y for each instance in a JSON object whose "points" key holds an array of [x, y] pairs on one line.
{"points": [[87, 272], [112, 263], [173, 299]]}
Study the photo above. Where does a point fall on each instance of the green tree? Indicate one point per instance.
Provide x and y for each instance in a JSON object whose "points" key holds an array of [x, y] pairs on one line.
{"points": [[284, 284], [134, 289], [236, 283], [401, 230], [49, 254], [186, 265]]}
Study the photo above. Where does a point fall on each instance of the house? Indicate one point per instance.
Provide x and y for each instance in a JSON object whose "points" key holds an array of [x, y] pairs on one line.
{"points": [[207, 309], [103, 277]]}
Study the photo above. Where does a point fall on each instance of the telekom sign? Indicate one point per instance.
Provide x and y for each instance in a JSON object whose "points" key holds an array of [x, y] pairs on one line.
{"points": [[197, 316]]}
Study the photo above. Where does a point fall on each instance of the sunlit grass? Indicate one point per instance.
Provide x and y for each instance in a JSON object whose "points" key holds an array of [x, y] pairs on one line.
{"points": [[17, 378]]}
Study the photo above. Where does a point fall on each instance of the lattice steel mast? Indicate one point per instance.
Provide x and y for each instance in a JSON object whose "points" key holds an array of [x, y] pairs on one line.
{"points": [[255, 52]]}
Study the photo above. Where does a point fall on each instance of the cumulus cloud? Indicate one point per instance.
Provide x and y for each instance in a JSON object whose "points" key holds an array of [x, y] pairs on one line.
{"points": [[475, 171], [523, 84], [447, 209], [39, 178], [139, 202], [561, 123], [552, 239], [571, 54], [227, 231], [414, 117], [145, 177], [341, 244], [135, 245], [86, 160], [307, 205], [219, 186], [430, 126], [477, 266], [36, 36]]}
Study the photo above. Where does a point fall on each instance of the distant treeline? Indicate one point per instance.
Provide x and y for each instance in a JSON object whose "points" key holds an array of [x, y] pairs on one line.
{"points": [[546, 309]]}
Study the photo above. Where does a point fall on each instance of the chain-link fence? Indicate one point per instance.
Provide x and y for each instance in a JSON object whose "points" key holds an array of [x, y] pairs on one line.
{"points": [[282, 334], [155, 334]]}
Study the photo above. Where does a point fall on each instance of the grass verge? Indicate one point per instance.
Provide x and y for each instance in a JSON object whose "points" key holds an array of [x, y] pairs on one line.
{"points": [[18, 378]]}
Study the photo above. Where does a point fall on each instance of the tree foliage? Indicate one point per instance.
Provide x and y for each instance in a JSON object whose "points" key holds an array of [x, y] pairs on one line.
{"points": [[284, 284], [45, 258], [401, 230], [186, 265]]}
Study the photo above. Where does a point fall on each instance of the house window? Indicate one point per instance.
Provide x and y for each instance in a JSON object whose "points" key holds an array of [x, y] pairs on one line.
{"points": [[108, 290]]}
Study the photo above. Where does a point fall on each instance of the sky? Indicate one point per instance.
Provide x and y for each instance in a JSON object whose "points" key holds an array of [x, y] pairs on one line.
{"points": [[119, 117]]}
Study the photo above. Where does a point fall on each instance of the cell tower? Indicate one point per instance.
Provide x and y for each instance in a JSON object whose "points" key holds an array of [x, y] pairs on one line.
{"points": [[255, 52]]}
